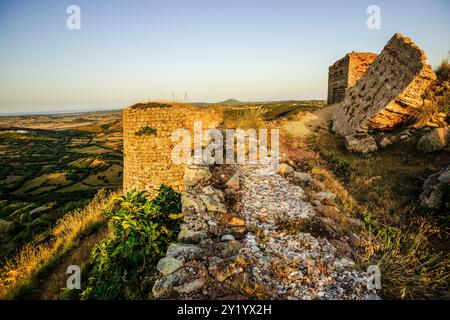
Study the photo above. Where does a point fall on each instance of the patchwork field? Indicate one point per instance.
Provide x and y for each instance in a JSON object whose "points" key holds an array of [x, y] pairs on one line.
{"points": [[51, 165]]}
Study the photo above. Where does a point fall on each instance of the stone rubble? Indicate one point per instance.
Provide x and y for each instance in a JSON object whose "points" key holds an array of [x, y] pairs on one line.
{"points": [[433, 190], [360, 143], [226, 252], [435, 140]]}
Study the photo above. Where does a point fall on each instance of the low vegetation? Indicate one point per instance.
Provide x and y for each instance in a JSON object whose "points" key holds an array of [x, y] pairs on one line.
{"points": [[44, 174], [142, 228], [145, 131], [19, 276], [408, 241]]}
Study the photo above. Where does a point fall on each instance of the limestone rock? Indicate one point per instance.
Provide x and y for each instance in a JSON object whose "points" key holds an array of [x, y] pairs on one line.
{"points": [[285, 169], [389, 91], [302, 178], [233, 183], [384, 142], [435, 140], [213, 203], [195, 174], [218, 269], [163, 286], [324, 195], [168, 265], [229, 248], [191, 286], [187, 235], [360, 143], [227, 237], [433, 189], [183, 251], [330, 212], [191, 204], [208, 190]]}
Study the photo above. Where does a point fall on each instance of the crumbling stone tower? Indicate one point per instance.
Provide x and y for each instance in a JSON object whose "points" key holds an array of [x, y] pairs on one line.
{"points": [[388, 93], [147, 132], [346, 72]]}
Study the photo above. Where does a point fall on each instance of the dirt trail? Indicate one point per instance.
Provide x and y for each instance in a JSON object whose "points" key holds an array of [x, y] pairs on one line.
{"points": [[309, 121]]}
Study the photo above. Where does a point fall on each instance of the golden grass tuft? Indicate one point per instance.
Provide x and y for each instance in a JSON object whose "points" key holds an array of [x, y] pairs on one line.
{"points": [[20, 270], [409, 245], [251, 118], [408, 269]]}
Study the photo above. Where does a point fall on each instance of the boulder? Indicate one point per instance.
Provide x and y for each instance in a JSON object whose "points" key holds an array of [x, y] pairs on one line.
{"points": [[164, 286], [360, 143], [302, 178], [324, 195], [191, 286], [196, 174], [187, 235], [435, 140], [388, 93], [233, 183], [229, 248], [384, 142], [213, 204], [434, 189], [285, 169], [184, 252], [218, 269], [227, 237], [168, 265], [191, 204]]}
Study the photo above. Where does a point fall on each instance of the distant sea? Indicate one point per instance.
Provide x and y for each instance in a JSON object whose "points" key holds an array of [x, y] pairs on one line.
{"points": [[58, 112]]}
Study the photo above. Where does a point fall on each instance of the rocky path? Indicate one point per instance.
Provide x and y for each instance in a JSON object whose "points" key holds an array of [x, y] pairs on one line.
{"points": [[253, 235], [291, 264]]}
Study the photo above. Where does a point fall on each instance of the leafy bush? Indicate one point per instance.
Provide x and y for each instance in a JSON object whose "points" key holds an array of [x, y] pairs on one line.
{"points": [[142, 229], [145, 131]]}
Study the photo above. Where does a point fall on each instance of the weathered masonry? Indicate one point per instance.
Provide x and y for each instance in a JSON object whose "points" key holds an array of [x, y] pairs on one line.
{"points": [[346, 72], [389, 91], [147, 132]]}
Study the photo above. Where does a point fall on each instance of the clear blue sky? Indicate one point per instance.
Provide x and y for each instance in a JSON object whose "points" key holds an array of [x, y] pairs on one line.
{"points": [[128, 51]]}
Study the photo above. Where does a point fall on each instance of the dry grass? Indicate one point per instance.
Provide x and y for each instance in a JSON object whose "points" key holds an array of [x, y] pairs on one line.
{"points": [[429, 110], [409, 270], [409, 243], [252, 290], [251, 118], [20, 271]]}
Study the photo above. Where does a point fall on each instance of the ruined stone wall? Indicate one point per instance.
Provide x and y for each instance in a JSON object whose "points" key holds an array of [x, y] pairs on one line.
{"points": [[147, 157], [337, 80], [359, 62], [346, 72], [388, 92]]}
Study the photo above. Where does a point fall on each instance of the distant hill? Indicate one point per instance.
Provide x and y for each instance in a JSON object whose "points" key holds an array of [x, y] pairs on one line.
{"points": [[235, 102]]}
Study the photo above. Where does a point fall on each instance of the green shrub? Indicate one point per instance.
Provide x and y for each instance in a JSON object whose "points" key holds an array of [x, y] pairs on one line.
{"points": [[151, 105], [142, 229], [145, 131]]}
